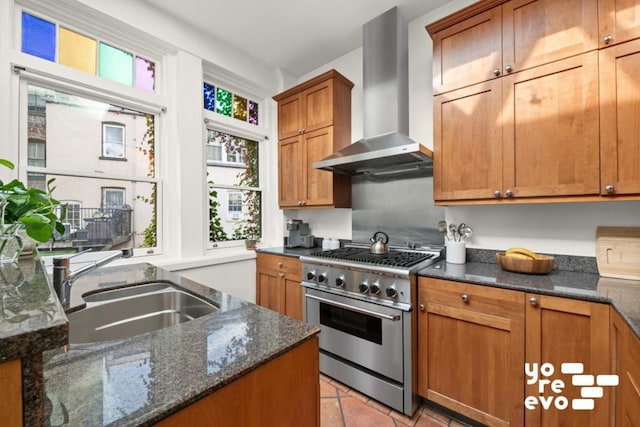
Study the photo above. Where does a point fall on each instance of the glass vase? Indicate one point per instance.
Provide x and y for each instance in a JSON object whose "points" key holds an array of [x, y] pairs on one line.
{"points": [[11, 244]]}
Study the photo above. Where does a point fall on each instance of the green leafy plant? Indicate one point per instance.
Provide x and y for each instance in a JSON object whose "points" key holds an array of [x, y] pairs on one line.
{"points": [[31, 208]]}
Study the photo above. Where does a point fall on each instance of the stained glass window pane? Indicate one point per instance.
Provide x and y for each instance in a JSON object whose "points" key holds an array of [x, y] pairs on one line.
{"points": [[145, 74], [209, 97], [223, 104], [253, 113], [38, 37], [116, 65], [239, 108], [77, 51]]}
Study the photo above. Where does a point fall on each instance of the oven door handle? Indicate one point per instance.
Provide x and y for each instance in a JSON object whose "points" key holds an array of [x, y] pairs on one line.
{"points": [[356, 309]]}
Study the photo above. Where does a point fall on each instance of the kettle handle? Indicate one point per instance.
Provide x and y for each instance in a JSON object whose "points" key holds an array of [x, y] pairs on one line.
{"points": [[376, 237]]}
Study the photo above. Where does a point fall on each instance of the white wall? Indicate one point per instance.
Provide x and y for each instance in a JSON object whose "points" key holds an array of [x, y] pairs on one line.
{"points": [[567, 228], [235, 278]]}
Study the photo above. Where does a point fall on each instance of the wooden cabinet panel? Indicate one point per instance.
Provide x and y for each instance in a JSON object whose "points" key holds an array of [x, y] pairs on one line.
{"points": [[561, 330], [318, 106], [620, 20], [319, 183], [290, 119], [551, 129], [284, 392], [11, 393], [620, 115], [468, 142], [468, 52], [471, 350], [278, 284], [626, 364], [290, 169], [542, 31]]}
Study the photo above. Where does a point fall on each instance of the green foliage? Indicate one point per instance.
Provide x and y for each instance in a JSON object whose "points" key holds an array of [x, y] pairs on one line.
{"points": [[32, 208], [216, 230], [150, 234]]}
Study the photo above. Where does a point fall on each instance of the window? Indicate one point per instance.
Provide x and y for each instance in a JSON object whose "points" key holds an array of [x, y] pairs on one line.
{"points": [[229, 104], [235, 204], [113, 198], [234, 192], [113, 140], [36, 153], [74, 214]]}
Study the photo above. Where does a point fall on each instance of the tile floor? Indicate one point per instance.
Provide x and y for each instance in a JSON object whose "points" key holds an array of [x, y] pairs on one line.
{"points": [[341, 406]]}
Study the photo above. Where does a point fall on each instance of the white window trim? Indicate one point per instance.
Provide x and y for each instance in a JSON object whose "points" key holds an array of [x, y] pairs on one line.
{"points": [[123, 142], [232, 213]]}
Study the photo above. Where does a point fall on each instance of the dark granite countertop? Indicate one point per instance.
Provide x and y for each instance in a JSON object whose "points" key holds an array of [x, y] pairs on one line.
{"points": [[140, 380], [290, 252], [624, 295], [31, 320]]}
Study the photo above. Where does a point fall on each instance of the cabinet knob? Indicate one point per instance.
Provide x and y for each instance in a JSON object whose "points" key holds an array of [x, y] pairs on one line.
{"points": [[609, 189], [496, 72], [281, 274], [280, 264], [607, 39], [421, 306], [299, 202], [303, 130], [533, 301], [304, 202], [465, 298], [508, 68], [496, 193], [509, 193]]}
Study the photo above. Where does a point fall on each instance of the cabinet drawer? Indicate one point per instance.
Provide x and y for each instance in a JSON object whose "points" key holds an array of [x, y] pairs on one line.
{"points": [[284, 264], [477, 298]]}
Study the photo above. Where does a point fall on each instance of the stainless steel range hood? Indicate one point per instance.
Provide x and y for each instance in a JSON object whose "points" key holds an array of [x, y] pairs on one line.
{"points": [[385, 148]]}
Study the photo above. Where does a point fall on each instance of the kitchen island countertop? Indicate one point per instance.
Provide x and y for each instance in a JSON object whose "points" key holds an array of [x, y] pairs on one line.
{"points": [[143, 379], [624, 295]]}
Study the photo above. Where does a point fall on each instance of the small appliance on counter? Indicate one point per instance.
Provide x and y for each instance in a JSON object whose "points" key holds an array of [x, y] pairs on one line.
{"points": [[299, 235]]}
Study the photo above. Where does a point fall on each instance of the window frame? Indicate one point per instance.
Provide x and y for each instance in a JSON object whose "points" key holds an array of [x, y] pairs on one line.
{"points": [[231, 213], [123, 143], [103, 196]]}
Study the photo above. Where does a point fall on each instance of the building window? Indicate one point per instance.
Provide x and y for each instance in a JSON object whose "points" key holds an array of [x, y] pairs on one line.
{"points": [[74, 215], [235, 204], [36, 153], [113, 198], [229, 104], [235, 195], [113, 140]]}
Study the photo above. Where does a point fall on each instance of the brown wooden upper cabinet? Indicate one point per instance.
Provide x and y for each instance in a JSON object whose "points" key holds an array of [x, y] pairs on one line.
{"points": [[508, 38], [554, 119], [619, 21], [314, 121]]}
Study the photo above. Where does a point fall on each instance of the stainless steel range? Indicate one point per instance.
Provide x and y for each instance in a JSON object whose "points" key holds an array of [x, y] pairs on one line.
{"points": [[364, 305]]}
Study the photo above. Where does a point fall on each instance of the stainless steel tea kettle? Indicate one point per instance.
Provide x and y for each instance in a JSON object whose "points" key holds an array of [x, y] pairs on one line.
{"points": [[379, 243]]}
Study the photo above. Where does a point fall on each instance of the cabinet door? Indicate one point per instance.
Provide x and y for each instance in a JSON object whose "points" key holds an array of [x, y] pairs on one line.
{"points": [[620, 115], [270, 292], [318, 183], [551, 129], [468, 143], [561, 330], [293, 297], [290, 172], [537, 32], [468, 52], [471, 350], [11, 393], [318, 106], [290, 116], [620, 20], [626, 351]]}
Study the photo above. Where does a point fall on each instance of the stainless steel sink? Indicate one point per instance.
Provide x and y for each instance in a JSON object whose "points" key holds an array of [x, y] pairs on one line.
{"points": [[126, 312]]}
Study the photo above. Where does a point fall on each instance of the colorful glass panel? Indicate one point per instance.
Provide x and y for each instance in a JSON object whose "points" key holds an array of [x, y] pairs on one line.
{"points": [[209, 95], [145, 74], [115, 64], [77, 51], [239, 108], [224, 102], [253, 113], [38, 37]]}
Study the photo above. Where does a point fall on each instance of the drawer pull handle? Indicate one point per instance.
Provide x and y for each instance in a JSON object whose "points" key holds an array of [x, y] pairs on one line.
{"points": [[465, 298], [533, 301], [607, 39]]}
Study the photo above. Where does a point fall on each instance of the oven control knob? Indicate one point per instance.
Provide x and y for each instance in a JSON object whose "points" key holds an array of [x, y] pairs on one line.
{"points": [[392, 292], [375, 288], [363, 287], [340, 281], [311, 275], [322, 277]]}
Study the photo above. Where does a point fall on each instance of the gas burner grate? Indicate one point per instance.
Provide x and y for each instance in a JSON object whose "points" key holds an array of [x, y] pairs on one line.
{"points": [[394, 258]]}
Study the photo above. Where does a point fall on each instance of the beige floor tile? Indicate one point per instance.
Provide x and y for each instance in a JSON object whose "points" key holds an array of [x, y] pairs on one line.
{"points": [[330, 414], [427, 421], [328, 390], [433, 414], [359, 414], [379, 406], [404, 419]]}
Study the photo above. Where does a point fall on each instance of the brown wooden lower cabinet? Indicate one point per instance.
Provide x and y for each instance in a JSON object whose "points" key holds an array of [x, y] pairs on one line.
{"points": [[474, 341], [471, 350], [278, 284], [284, 393], [626, 364], [11, 393]]}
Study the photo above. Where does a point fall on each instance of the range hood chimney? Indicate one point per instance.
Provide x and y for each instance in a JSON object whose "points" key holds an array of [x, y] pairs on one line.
{"points": [[385, 148]]}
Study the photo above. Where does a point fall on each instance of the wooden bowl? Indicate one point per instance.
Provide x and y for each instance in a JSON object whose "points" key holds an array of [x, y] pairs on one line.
{"points": [[542, 265]]}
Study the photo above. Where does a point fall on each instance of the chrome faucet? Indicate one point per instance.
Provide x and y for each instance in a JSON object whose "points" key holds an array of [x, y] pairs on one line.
{"points": [[63, 278]]}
